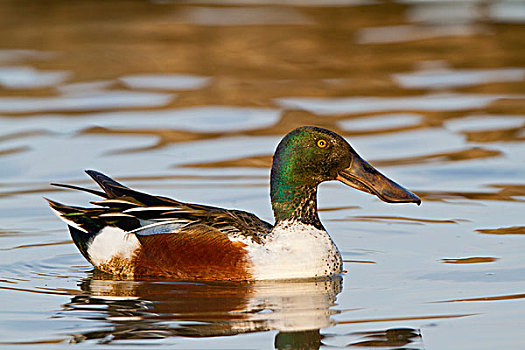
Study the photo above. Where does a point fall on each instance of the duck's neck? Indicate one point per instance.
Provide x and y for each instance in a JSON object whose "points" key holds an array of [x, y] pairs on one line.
{"points": [[292, 201]]}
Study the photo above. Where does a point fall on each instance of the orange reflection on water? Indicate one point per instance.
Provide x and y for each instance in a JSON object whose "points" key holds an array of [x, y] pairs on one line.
{"points": [[493, 298], [407, 318], [470, 260], [398, 219], [506, 192], [514, 230]]}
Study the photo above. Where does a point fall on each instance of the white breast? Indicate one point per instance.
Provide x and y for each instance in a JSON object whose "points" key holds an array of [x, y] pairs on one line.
{"points": [[294, 250]]}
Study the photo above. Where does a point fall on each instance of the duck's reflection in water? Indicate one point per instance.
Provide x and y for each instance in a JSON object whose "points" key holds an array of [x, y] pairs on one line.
{"points": [[150, 309]]}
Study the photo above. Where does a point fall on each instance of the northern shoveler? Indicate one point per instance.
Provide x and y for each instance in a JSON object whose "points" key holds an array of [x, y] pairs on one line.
{"points": [[137, 234]]}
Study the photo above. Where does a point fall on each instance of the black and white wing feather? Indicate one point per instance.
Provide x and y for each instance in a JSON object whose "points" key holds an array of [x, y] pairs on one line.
{"points": [[145, 214]]}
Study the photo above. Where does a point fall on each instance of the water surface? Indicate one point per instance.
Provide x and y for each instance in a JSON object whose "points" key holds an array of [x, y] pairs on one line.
{"points": [[189, 100]]}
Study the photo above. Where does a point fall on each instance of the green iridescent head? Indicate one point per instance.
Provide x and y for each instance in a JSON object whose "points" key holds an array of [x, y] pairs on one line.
{"points": [[310, 155]]}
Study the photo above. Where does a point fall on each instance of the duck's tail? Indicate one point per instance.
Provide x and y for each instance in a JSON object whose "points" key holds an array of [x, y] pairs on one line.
{"points": [[82, 228], [115, 190], [86, 223]]}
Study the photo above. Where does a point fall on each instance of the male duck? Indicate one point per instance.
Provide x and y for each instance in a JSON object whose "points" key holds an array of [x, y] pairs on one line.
{"points": [[137, 234]]}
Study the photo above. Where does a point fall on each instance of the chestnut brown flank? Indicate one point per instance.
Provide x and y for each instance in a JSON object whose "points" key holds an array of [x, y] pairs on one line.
{"points": [[199, 253]]}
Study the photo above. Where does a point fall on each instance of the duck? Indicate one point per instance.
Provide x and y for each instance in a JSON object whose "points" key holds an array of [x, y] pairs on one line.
{"points": [[135, 234]]}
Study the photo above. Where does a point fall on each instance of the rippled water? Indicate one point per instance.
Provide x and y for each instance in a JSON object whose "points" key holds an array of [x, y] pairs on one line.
{"points": [[189, 99]]}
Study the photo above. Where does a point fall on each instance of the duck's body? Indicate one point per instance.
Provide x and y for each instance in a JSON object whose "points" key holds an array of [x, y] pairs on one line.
{"points": [[136, 234]]}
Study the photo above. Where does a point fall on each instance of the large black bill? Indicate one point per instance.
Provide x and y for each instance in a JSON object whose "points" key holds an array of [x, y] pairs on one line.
{"points": [[365, 177]]}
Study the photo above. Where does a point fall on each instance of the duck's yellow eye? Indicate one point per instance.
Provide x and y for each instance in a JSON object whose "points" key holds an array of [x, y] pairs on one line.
{"points": [[321, 143]]}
